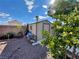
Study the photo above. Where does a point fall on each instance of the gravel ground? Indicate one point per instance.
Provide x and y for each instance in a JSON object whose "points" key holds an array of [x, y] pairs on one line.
{"points": [[21, 49]]}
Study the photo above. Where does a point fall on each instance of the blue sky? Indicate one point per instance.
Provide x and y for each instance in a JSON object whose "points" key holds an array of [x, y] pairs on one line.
{"points": [[23, 10]]}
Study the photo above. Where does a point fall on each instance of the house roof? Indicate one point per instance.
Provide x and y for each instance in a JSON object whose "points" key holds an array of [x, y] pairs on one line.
{"points": [[12, 23]]}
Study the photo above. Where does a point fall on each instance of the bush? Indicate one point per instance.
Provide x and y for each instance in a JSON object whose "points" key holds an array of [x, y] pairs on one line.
{"points": [[7, 35], [19, 35], [11, 35]]}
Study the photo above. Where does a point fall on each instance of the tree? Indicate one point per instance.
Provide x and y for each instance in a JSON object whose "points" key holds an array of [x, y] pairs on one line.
{"points": [[63, 6], [66, 28]]}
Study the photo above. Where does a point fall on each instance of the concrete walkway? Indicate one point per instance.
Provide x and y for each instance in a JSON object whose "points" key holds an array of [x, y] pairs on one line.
{"points": [[21, 49], [2, 46]]}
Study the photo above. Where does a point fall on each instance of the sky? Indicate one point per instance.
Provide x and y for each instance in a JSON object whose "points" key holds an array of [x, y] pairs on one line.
{"points": [[24, 10]]}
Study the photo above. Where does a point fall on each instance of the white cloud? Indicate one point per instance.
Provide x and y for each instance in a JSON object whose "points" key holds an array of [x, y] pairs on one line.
{"points": [[4, 15], [24, 23], [46, 13], [77, 0], [43, 17], [44, 6], [0, 21], [51, 2], [29, 4], [10, 18]]}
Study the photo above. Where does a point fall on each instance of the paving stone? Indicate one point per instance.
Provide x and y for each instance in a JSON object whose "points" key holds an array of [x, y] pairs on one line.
{"points": [[21, 49]]}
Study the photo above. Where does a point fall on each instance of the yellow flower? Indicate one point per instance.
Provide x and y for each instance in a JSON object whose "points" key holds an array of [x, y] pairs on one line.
{"points": [[64, 34], [67, 41], [59, 27], [70, 33], [78, 42]]}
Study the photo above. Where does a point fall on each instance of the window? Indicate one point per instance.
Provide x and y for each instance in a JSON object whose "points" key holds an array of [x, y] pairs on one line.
{"points": [[52, 27], [30, 27]]}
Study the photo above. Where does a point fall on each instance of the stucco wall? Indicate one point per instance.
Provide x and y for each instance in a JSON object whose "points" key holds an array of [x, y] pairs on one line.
{"points": [[33, 30], [39, 31], [6, 28]]}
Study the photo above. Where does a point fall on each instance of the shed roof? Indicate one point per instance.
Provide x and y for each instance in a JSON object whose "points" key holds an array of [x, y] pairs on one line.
{"points": [[40, 22]]}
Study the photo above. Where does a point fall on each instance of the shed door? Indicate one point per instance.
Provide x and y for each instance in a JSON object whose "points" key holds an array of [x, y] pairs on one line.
{"points": [[47, 27]]}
